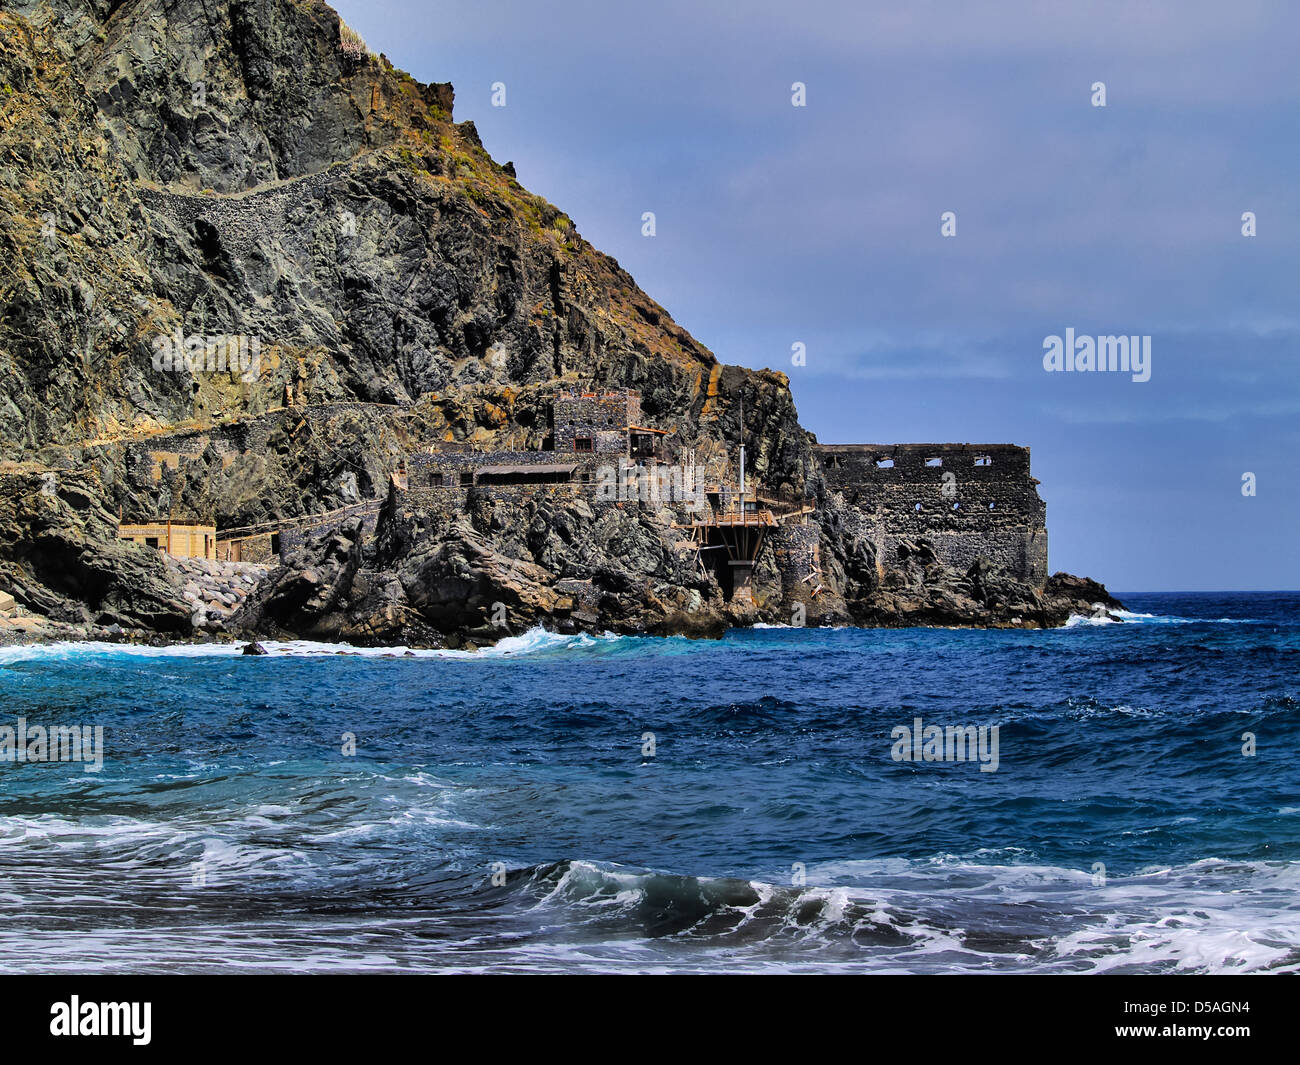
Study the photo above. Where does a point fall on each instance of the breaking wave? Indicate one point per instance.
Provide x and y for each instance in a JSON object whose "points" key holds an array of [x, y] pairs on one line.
{"points": [[534, 641], [943, 914]]}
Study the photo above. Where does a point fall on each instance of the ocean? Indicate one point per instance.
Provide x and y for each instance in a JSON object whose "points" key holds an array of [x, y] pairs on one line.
{"points": [[623, 804]]}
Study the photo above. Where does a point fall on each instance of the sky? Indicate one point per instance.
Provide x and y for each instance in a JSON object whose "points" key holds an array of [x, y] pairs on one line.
{"points": [[822, 225]]}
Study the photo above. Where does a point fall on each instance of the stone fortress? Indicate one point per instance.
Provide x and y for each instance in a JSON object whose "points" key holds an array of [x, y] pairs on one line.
{"points": [[967, 500]]}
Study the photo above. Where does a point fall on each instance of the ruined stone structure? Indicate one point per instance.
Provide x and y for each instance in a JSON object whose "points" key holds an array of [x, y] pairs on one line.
{"points": [[260, 547], [962, 500], [967, 500], [170, 451], [595, 421], [622, 464], [242, 220], [594, 433], [154, 456], [449, 466]]}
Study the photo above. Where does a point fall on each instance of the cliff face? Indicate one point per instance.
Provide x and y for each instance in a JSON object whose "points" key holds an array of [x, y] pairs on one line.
{"points": [[239, 182], [226, 169]]}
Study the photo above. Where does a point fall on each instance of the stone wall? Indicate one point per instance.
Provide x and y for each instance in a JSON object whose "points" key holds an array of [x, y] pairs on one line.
{"points": [[149, 457], [251, 436], [966, 499], [244, 220], [455, 499], [601, 417], [426, 469], [262, 548], [796, 555]]}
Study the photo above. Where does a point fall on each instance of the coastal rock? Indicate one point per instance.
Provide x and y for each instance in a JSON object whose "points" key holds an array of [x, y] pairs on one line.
{"points": [[305, 595], [60, 557], [476, 578], [1073, 596]]}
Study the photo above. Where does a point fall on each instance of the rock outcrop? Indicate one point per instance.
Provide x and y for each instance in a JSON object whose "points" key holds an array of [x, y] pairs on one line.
{"points": [[62, 560]]}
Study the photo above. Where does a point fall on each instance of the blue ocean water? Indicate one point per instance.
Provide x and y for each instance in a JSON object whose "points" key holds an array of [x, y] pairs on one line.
{"points": [[635, 804]]}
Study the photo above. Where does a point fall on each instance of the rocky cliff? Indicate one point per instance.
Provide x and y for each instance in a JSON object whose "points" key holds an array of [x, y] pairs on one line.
{"points": [[230, 233]]}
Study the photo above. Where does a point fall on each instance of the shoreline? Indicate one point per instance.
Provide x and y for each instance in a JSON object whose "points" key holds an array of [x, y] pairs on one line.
{"points": [[146, 639]]}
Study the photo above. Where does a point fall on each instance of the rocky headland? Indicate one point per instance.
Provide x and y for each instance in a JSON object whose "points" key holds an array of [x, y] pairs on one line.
{"points": [[248, 269]]}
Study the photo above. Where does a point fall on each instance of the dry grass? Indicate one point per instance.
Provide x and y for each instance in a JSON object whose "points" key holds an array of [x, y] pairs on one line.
{"points": [[350, 42]]}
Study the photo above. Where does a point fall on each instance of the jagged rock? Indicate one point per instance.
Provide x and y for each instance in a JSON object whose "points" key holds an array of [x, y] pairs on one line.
{"points": [[303, 595], [1071, 595], [476, 578]]}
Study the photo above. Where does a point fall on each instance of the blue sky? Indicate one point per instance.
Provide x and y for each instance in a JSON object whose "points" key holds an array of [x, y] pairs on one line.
{"points": [[821, 225]]}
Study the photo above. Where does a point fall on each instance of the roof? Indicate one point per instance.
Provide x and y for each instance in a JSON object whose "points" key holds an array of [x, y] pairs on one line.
{"points": [[526, 469], [148, 528], [646, 429]]}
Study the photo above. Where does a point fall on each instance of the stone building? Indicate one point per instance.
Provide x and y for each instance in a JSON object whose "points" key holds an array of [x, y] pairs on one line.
{"points": [[177, 539], [593, 431], [595, 421]]}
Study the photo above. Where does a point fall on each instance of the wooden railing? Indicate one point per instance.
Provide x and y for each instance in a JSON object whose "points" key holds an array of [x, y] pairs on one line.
{"points": [[366, 506]]}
